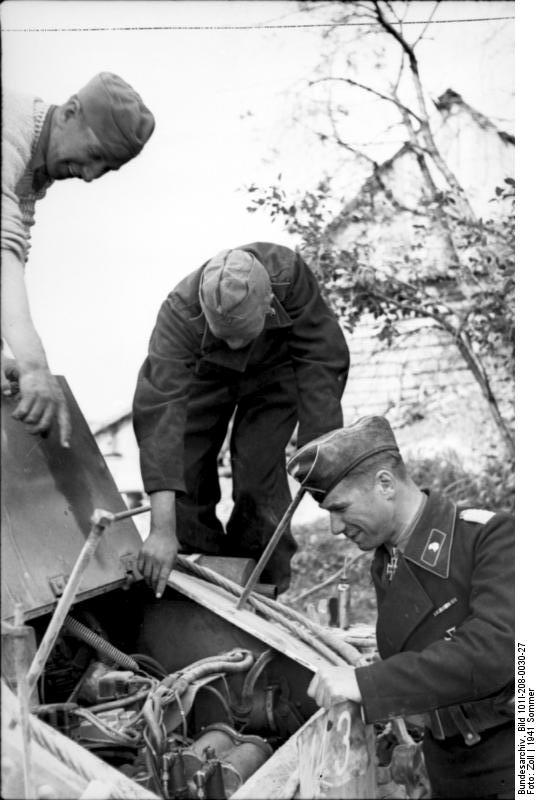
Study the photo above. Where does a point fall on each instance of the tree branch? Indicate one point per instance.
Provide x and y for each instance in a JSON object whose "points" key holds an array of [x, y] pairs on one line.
{"points": [[427, 24], [449, 176], [395, 87], [368, 89], [420, 309], [472, 361], [342, 143], [389, 28]]}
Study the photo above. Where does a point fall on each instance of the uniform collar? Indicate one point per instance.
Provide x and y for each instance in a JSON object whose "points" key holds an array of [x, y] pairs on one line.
{"points": [[411, 527], [431, 541], [38, 164]]}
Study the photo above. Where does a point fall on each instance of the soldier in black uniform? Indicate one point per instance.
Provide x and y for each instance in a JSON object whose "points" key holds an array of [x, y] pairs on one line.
{"points": [[444, 579], [246, 336]]}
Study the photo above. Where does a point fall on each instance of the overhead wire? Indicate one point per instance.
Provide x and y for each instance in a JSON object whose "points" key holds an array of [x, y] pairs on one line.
{"points": [[262, 27]]}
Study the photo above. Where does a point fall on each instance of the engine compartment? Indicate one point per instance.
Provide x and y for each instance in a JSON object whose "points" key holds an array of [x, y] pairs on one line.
{"points": [[181, 702]]}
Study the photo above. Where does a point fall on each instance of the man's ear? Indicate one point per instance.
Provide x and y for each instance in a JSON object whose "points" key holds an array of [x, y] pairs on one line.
{"points": [[72, 108], [386, 482], [269, 310]]}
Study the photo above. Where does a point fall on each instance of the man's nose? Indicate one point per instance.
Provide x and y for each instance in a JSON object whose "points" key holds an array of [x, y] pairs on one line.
{"points": [[337, 525], [91, 171]]}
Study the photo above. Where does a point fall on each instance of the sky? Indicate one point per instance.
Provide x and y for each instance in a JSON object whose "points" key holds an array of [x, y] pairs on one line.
{"points": [[105, 254]]}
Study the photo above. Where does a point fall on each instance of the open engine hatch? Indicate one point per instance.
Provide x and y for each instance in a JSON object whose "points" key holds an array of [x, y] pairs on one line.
{"points": [[48, 496]]}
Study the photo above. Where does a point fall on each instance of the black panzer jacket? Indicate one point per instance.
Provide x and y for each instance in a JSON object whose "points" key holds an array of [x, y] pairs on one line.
{"points": [[302, 333], [445, 626]]}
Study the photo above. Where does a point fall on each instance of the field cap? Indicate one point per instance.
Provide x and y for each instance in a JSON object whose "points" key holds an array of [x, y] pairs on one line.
{"points": [[234, 286], [117, 116], [323, 463]]}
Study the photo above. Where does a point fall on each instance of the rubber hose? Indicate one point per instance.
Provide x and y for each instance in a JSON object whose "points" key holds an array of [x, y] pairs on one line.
{"points": [[121, 702], [236, 656], [345, 650], [266, 605], [199, 670], [335, 651], [80, 631], [149, 664]]}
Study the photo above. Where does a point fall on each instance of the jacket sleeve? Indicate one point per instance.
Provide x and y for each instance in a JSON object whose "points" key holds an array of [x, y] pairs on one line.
{"points": [[160, 399], [319, 354], [475, 663]]}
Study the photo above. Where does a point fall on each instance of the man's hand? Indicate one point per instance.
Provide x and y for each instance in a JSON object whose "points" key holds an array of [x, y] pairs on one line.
{"points": [[10, 376], [157, 557], [332, 685], [41, 403]]}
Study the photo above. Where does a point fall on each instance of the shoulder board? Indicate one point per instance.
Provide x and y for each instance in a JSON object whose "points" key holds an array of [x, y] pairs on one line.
{"points": [[479, 515]]}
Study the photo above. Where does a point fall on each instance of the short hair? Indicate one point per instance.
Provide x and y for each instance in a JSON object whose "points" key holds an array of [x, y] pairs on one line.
{"points": [[391, 461]]}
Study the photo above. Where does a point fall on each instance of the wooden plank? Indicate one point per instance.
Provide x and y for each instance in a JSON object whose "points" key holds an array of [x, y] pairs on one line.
{"points": [[276, 779], [63, 783], [336, 755], [218, 600], [331, 756], [65, 779]]}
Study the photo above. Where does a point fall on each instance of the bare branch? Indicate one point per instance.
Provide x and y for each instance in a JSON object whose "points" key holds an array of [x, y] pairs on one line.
{"points": [[395, 87], [341, 142], [431, 15], [464, 346], [389, 28], [441, 164], [392, 10], [419, 309], [463, 320], [390, 195], [372, 91]]}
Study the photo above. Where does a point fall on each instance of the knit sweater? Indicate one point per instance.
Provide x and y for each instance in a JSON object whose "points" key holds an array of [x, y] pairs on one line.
{"points": [[23, 118]]}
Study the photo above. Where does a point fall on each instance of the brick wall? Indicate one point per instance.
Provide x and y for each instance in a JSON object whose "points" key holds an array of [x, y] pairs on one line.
{"points": [[421, 370]]}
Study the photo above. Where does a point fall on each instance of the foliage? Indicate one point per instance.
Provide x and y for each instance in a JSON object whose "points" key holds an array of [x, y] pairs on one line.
{"points": [[491, 488], [472, 300]]}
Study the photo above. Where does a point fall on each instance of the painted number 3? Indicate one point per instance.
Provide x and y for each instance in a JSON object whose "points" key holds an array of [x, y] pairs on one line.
{"points": [[344, 723]]}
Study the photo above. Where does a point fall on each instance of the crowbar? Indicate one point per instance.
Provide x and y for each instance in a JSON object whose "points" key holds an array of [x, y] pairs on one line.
{"points": [[269, 549]]}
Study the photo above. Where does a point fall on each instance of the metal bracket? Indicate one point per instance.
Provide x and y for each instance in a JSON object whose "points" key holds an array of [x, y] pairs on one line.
{"points": [[128, 562], [57, 584]]}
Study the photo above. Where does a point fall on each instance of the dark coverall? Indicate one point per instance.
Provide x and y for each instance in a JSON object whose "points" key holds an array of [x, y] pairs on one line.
{"points": [[192, 383], [445, 632]]}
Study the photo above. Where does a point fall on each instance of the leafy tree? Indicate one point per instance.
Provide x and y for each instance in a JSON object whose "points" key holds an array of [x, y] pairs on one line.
{"points": [[473, 305], [472, 299]]}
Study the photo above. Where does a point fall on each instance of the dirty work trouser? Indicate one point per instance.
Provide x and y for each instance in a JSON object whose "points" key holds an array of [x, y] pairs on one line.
{"points": [[265, 409]]}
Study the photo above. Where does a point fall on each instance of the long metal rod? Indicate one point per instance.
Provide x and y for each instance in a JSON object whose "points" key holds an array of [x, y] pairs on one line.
{"points": [[131, 512], [21, 664], [99, 522], [271, 546]]}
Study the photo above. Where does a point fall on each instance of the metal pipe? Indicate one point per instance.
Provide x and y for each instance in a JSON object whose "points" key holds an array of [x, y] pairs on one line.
{"points": [[269, 549], [100, 520], [131, 512], [23, 695]]}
